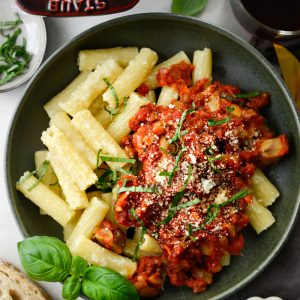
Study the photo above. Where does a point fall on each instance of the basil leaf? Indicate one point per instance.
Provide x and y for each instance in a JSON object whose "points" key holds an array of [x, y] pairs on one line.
{"points": [[71, 288], [79, 266], [187, 7], [45, 258], [105, 284], [248, 95], [213, 122], [137, 189]]}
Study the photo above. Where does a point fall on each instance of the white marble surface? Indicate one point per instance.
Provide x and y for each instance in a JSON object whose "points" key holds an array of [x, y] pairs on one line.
{"points": [[60, 31]]}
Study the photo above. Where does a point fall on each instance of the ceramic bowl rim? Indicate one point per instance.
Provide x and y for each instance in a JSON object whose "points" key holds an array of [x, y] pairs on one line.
{"points": [[173, 17]]}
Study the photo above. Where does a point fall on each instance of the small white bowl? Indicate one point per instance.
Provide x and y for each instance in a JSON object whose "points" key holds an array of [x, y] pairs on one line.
{"points": [[34, 31]]}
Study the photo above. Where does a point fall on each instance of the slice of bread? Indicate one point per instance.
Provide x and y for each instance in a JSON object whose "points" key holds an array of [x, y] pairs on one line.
{"points": [[15, 285]]}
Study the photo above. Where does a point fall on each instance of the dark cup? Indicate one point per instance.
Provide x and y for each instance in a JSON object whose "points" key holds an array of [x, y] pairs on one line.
{"points": [[257, 28]]}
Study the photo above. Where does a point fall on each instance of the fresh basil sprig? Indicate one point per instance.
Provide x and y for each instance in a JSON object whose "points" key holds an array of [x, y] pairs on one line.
{"points": [[49, 259], [187, 7]]}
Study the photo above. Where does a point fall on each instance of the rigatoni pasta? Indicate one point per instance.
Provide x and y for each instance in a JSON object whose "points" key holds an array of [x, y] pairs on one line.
{"points": [[93, 86], [134, 74], [97, 137], [45, 199], [152, 186], [59, 145], [88, 60]]}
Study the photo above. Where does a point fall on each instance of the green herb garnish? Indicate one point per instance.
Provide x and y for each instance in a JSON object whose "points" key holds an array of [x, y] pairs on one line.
{"points": [[212, 122], [107, 180], [176, 164], [138, 189], [113, 91], [187, 7], [247, 95], [186, 204], [115, 111], [143, 232], [9, 25], [178, 133], [214, 208], [212, 160], [39, 173], [190, 232], [14, 59], [177, 197]]}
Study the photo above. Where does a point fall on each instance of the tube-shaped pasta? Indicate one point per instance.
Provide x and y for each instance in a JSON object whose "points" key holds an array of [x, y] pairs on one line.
{"points": [[71, 160], [167, 94], [119, 127], [202, 61], [260, 217], [97, 137], [89, 59], [97, 105], [52, 106], [103, 117], [45, 199], [76, 198], [150, 96], [91, 217], [263, 189], [175, 59], [149, 244], [134, 74], [98, 255], [225, 260], [69, 227], [130, 247], [108, 199], [63, 122], [93, 86]]}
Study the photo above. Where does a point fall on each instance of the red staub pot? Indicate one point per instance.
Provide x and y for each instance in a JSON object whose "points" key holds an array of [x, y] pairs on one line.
{"points": [[72, 8]]}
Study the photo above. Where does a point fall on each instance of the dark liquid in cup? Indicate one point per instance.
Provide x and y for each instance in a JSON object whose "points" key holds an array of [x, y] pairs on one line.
{"points": [[277, 14]]}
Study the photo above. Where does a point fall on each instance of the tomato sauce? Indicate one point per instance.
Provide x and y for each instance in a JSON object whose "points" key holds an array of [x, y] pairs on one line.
{"points": [[197, 154]]}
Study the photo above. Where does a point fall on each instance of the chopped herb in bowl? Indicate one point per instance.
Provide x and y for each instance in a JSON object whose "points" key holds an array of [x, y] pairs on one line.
{"points": [[14, 58]]}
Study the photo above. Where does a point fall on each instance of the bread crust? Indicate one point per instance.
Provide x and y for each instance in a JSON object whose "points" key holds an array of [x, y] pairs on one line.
{"points": [[15, 285]]}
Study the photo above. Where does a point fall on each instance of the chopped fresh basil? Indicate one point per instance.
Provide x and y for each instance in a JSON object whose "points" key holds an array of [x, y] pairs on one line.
{"points": [[212, 160], [212, 122], [209, 151], [176, 164], [117, 159], [243, 193], [141, 238], [177, 197], [186, 204], [248, 95], [214, 208], [39, 173], [138, 189], [14, 58], [9, 25], [164, 173], [178, 132], [113, 91], [107, 180], [190, 232]]}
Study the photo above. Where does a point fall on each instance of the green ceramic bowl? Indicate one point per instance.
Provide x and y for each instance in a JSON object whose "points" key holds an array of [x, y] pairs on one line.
{"points": [[234, 62]]}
